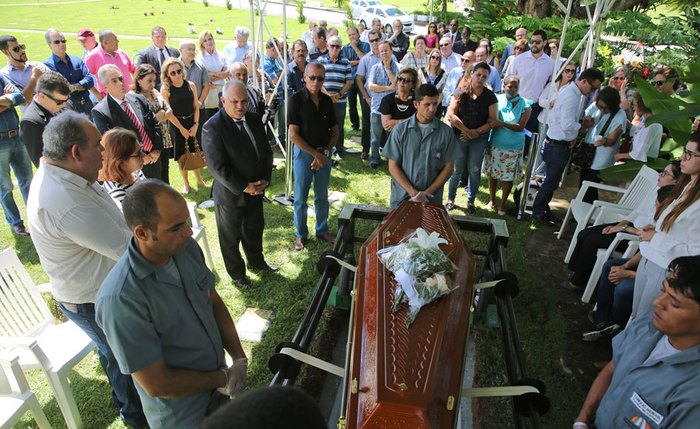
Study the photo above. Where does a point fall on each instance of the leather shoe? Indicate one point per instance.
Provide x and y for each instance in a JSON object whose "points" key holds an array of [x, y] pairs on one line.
{"points": [[20, 230], [242, 283], [550, 217], [266, 268], [299, 243], [326, 236], [364, 156], [542, 220]]}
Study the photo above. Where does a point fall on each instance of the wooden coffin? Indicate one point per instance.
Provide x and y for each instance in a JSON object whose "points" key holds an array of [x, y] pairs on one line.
{"points": [[408, 377]]}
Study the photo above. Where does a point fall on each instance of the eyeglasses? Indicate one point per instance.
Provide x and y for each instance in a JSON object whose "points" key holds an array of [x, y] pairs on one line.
{"points": [[138, 154], [433, 57], [442, 45], [404, 80], [665, 173], [536, 42], [316, 78], [617, 78], [569, 70], [175, 72], [374, 40], [658, 82], [58, 42], [687, 155], [56, 100], [19, 48], [466, 60], [335, 46]]}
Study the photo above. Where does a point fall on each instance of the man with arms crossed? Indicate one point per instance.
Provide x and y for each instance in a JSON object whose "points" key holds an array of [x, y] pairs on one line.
{"points": [[166, 323]]}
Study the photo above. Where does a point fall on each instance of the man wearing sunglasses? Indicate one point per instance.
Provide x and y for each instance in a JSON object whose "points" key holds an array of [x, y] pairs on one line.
{"points": [[450, 59], [363, 70], [52, 96], [468, 58], [337, 84], [130, 111], [22, 73], [80, 80]]}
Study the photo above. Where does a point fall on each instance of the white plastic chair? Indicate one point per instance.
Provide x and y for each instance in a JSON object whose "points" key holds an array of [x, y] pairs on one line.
{"points": [[585, 213], [16, 398], [603, 255], [199, 233], [28, 329]]}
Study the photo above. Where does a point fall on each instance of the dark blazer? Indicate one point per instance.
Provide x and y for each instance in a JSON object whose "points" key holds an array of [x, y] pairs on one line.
{"points": [[150, 55], [107, 114], [232, 163], [34, 119]]}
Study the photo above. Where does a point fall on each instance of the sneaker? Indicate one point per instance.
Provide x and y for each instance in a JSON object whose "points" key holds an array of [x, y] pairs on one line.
{"points": [[591, 317], [20, 230], [603, 329]]}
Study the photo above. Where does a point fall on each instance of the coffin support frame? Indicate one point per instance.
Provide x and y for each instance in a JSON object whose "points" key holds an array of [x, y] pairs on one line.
{"points": [[529, 400]]}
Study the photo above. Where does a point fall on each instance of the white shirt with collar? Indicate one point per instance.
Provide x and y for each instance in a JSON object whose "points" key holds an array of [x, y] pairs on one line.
{"points": [[563, 118], [77, 230]]}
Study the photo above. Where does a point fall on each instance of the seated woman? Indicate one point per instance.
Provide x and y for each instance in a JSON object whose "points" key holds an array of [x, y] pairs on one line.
{"points": [[503, 159], [646, 139], [616, 288], [608, 122], [121, 163], [601, 236]]}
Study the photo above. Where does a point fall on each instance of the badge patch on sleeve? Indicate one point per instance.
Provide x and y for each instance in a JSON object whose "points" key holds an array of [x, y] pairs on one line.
{"points": [[648, 412]]}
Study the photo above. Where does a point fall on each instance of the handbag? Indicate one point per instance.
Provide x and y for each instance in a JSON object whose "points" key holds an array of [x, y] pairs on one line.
{"points": [[583, 154], [192, 160]]}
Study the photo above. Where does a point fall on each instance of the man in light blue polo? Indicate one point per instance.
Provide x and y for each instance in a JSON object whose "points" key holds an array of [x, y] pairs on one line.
{"points": [[421, 152], [166, 324]]}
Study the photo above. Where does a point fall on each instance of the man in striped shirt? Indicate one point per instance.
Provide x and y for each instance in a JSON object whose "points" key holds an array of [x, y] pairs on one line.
{"points": [[337, 84]]}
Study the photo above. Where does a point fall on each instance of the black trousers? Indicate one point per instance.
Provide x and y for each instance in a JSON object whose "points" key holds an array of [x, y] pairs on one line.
{"points": [[366, 126], [353, 93], [240, 226], [155, 170], [585, 253], [533, 125], [592, 176]]}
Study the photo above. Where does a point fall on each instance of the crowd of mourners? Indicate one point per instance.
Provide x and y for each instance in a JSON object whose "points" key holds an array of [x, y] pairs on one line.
{"points": [[440, 108]]}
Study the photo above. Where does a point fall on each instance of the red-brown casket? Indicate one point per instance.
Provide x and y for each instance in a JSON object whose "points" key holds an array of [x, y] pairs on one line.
{"points": [[408, 377]]}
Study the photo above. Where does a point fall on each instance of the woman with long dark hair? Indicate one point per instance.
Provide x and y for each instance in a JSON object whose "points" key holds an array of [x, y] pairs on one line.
{"points": [[646, 139], [471, 112], [609, 123], [432, 38]]}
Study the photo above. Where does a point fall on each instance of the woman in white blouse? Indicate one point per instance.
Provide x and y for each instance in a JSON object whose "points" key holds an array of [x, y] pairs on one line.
{"points": [[419, 57], [216, 67], [677, 233], [646, 139]]}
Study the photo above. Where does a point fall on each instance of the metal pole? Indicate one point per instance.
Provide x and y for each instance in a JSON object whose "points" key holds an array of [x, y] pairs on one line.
{"points": [[431, 12], [529, 172]]}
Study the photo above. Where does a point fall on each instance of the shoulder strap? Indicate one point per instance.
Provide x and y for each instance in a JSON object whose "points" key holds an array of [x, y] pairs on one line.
{"points": [[607, 124]]}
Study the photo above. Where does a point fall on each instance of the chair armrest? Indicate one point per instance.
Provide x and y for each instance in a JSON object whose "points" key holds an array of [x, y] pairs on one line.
{"points": [[602, 186], [627, 236], [25, 343], [608, 211]]}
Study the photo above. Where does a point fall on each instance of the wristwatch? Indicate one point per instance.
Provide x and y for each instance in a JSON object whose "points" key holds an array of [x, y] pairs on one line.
{"points": [[327, 152], [624, 228]]}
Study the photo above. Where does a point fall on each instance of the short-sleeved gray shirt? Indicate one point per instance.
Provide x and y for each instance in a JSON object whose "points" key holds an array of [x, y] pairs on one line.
{"points": [[198, 74], [147, 314], [421, 158]]}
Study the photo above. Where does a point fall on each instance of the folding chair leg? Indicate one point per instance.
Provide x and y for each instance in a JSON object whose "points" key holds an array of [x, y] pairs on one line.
{"points": [[207, 252], [66, 400], [38, 412], [594, 277], [564, 223]]}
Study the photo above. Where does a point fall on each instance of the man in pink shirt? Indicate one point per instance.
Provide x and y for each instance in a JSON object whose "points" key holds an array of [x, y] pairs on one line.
{"points": [[108, 52]]}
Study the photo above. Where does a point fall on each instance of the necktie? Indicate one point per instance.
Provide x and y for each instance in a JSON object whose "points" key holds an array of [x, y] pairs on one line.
{"points": [[162, 56], [246, 136], [145, 140]]}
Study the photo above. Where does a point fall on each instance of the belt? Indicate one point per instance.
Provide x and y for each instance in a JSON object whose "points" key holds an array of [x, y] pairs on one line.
{"points": [[552, 141], [9, 134], [73, 308], [184, 117]]}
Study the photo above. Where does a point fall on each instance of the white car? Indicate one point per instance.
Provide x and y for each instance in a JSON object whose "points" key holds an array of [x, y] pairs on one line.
{"points": [[387, 15], [359, 6]]}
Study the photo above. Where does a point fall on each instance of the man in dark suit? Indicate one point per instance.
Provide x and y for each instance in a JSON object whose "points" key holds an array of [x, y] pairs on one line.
{"points": [[466, 44], [130, 111], [158, 52], [240, 160], [52, 95]]}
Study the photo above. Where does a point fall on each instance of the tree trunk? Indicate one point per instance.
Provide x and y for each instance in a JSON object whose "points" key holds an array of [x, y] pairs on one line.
{"points": [[538, 8]]}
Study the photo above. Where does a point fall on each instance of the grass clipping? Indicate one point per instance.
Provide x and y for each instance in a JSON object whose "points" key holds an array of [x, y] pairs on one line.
{"points": [[420, 268]]}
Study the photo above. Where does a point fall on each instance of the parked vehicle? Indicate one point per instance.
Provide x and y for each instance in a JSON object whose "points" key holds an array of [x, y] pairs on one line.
{"points": [[387, 15], [359, 6]]}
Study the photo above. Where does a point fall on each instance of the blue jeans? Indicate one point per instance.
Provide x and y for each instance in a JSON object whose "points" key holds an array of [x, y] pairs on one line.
{"points": [[339, 109], [303, 175], [614, 300], [124, 392], [377, 131], [13, 154], [555, 156], [471, 158]]}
